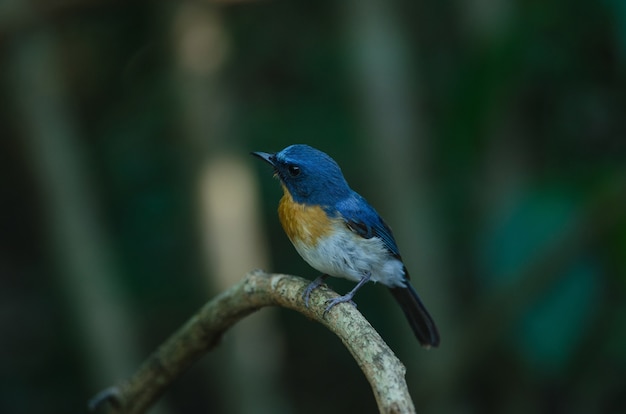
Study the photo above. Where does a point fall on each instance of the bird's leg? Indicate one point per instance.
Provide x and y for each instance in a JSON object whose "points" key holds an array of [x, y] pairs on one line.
{"points": [[311, 287], [348, 296]]}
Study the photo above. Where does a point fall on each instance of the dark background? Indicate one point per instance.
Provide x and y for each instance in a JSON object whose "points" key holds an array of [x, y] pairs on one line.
{"points": [[490, 135]]}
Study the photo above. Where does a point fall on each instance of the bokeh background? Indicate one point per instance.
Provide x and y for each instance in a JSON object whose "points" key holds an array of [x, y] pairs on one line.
{"points": [[490, 134]]}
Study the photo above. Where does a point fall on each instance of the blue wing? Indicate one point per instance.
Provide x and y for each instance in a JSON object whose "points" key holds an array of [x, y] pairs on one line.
{"points": [[362, 219]]}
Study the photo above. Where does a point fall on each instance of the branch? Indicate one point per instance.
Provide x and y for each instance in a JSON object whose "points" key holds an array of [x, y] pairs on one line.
{"points": [[203, 331]]}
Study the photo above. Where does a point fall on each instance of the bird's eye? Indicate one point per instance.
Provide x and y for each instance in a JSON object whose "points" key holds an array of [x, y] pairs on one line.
{"points": [[294, 170]]}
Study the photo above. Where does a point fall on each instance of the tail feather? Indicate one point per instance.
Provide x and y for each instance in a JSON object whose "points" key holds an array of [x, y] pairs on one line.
{"points": [[420, 320]]}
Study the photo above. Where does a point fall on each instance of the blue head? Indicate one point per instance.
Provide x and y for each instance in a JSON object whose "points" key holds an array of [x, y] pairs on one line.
{"points": [[310, 175]]}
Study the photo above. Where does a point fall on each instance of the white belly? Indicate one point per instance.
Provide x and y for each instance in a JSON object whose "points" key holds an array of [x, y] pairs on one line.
{"points": [[350, 256]]}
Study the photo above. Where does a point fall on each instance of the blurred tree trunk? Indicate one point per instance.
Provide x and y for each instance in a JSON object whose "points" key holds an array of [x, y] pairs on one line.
{"points": [[251, 362], [399, 153], [88, 274]]}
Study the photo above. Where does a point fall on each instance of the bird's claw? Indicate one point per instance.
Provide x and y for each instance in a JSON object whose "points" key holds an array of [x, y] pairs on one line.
{"points": [[331, 303], [306, 295]]}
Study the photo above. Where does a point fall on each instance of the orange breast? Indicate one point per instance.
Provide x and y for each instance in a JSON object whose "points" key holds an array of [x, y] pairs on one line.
{"points": [[302, 223]]}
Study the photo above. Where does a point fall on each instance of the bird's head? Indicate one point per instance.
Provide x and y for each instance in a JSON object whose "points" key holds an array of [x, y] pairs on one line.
{"points": [[310, 175]]}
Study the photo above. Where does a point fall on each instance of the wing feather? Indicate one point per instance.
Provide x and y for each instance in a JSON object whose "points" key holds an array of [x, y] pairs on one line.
{"points": [[362, 219]]}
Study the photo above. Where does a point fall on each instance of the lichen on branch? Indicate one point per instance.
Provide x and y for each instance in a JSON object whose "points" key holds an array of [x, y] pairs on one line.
{"points": [[202, 332]]}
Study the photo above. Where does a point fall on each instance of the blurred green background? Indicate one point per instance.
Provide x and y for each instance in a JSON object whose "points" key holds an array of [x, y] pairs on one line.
{"points": [[490, 134]]}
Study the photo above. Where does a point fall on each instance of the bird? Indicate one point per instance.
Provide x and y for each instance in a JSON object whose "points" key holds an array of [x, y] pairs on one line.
{"points": [[338, 233]]}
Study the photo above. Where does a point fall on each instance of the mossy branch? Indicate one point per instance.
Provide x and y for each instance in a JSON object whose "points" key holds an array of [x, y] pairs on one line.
{"points": [[203, 331]]}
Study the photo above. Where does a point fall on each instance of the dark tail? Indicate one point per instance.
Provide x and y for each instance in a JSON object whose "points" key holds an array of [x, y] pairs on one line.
{"points": [[420, 320]]}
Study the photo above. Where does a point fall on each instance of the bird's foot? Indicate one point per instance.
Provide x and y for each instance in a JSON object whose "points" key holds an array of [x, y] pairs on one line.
{"points": [[347, 298], [311, 287]]}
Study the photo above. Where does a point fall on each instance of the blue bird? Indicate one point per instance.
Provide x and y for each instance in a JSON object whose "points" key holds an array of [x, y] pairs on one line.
{"points": [[338, 233]]}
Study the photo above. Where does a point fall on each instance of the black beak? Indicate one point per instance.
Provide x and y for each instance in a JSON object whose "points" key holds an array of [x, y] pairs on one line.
{"points": [[265, 156]]}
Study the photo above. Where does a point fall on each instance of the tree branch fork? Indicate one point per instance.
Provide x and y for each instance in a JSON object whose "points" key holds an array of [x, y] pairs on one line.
{"points": [[202, 332]]}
